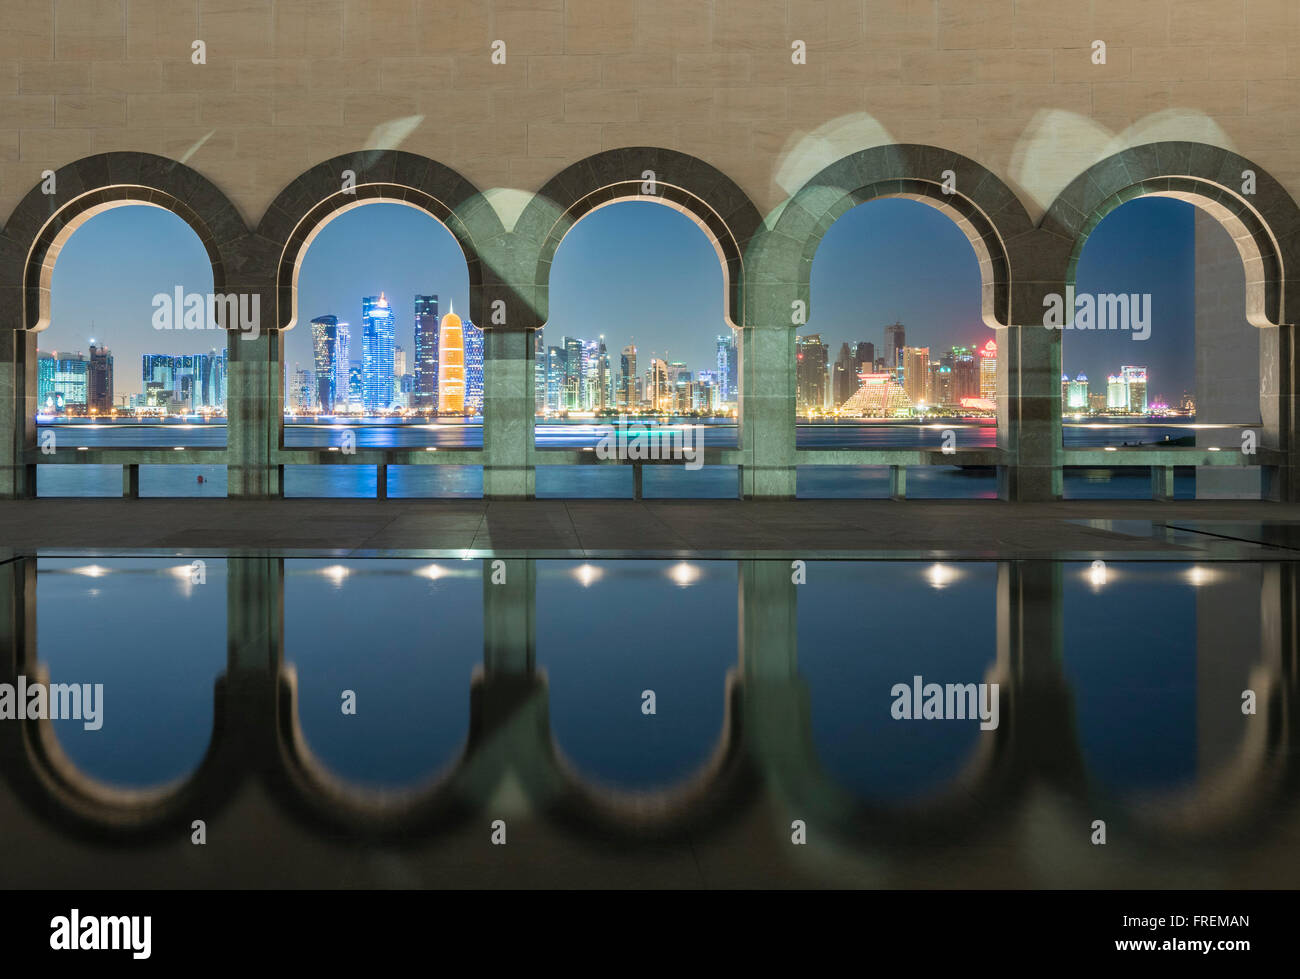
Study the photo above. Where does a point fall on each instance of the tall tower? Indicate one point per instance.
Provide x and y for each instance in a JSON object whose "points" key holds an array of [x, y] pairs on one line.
{"points": [[342, 365], [425, 392], [378, 338], [894, 343], [99, 380], [473, 337], [989, 371], [451, 364], [324, 342], [627, 364]]}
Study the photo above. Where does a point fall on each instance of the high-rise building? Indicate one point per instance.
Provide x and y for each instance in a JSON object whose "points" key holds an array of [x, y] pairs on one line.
{"points": [[914, 365], [572, 374], [1116, 394], [539, 373], [424, 393], [356, 382], [878, 395], [811, 358], [965, 374], [99, 380], [62, 381], [630, 397], [378, 339], [1077, 396], [864, 358], [451, 364], [324, 338], [343, 394], [1136, 380], [658, 390], [844, 375], [989, 371], [399, 362], [474, 340], [556, 370], [894, 343], [728, 369], [941, 383]]}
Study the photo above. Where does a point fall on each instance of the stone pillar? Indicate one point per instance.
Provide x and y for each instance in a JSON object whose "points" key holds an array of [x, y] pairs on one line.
{"points": [[1277, 405], [767, 409], [254, 414], [17, 413], [509, 410], [254, 616], [1029, 413]]}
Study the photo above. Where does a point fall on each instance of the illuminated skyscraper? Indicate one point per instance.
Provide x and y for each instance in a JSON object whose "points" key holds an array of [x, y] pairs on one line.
{"points": [[378, 338], [539, 373], [324, 340], [1136, 380], [62, 381], [811, 359], [630, 396], [915, 365], [556, 368], [728, 369], [424, 392], [451, 364], [99, 380], [658, 391], [1116, 394], [473, 368], [965, 374], [1077, 398], [342, 366], [989, 371]]}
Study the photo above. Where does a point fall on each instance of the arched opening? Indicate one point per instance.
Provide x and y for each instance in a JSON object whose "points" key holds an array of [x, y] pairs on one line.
{"points": [[383, 706], [637, 358], [130, 354], [896, 352], [1159, 353], [383, 353]]}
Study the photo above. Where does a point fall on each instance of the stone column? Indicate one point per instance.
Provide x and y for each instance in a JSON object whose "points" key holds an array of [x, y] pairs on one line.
{"points": [[254, 414], [1277, 405], [767, 408], [509, 410], [1029, 413], [17, 412]]}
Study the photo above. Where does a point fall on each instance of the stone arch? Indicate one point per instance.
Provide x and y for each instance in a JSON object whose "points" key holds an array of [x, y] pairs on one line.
{"points": [[42, 223], [313, 198], [1265, 225], [700, 191], [980, 204]]}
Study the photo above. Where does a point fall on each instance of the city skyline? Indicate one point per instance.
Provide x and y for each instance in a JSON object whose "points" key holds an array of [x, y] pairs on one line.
{"points": [[631, 270]]}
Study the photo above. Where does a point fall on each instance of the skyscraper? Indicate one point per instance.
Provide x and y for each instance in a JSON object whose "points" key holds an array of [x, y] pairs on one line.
{"points": [[989, 371], [728, 389], [894, 343], [324, 338], [1136, 380], [99, 380], [556, 369], [378, 338], [915, 365], [451, 364], [343, 394], [845, 376], [572, 374], [811, 357], [424, 393], [630, 397], [539, 373], [473, 368]]}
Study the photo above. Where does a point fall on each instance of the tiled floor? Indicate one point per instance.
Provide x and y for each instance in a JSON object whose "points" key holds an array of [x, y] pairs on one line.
{"points": [[965, 529]]}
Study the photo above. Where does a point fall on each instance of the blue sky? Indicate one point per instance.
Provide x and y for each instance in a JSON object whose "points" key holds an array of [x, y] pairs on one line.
{"points": [[636, 270]]}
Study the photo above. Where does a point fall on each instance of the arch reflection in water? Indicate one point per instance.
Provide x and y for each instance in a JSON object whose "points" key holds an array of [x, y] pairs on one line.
{"points": [[1097, 720], [152, 631], [404, 637]]}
